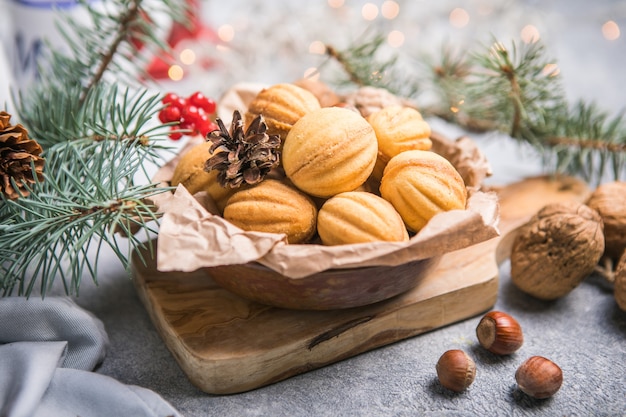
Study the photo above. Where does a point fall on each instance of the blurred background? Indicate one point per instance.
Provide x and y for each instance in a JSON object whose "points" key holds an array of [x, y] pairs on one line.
{"points": [[281, 41]]}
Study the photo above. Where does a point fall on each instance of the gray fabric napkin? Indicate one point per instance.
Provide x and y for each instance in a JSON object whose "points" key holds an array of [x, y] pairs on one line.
{"points": [[49, 346]]}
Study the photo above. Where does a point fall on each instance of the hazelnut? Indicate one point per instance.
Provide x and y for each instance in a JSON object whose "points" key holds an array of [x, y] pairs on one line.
{"points": [[499, 333], [456, 370], [539, 377]]}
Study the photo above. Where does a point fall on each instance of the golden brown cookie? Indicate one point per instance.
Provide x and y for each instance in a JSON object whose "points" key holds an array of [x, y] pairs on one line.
{"points": [[329, 151], [281, 105], [398, 129], [421, 184], [358, 217], [273, 206]]}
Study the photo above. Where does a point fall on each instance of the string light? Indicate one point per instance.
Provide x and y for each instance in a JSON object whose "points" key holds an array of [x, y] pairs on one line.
{"points": [[610, 30], [317, 47], [390, 9], [459, 18], [226, 33], [529, 34], [395, 38], [335, 4], [369, 11], [175, 73], [187, 56]]}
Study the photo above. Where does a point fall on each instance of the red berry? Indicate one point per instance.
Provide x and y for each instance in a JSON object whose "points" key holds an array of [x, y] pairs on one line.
{"points": [[180, 103], [208, 128], [174, 100], [169, 98], [204, 125], [187, 126], [190, 114], [169, 114], [200, 100]]}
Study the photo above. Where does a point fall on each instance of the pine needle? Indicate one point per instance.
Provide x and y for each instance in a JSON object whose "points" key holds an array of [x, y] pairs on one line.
{"points": [[98, 137], [516, 90]]}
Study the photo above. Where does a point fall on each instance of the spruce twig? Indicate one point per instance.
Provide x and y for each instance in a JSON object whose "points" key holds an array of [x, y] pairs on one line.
{"points": [[364, 67], [99, 140], [517, 90], [126, 21]]}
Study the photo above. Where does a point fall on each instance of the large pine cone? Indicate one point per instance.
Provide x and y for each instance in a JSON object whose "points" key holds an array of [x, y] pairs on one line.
{"points": [[17, 151]]}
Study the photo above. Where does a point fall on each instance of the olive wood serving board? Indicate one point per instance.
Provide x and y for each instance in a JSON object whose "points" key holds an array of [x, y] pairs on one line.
{"points": [[226, 344]]}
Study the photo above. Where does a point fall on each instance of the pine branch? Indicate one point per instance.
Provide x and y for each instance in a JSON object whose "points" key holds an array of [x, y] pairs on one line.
{"points": [[517, 90], [364, 68], [52, 232], [126, 20], [99, 139]]}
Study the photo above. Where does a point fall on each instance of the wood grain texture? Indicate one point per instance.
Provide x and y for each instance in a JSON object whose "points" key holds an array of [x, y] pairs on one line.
{"points": [[227, 344]]}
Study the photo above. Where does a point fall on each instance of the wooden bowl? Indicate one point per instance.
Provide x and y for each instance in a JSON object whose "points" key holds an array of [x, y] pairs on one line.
{"points": [[326, 290]]}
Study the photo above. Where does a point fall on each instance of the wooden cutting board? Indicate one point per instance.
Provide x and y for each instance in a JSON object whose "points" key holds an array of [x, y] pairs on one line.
{"points": [[226, 344]]}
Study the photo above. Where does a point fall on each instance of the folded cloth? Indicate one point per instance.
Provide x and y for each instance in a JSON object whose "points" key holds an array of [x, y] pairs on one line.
{"points": [[55, 319], [50, 347]]}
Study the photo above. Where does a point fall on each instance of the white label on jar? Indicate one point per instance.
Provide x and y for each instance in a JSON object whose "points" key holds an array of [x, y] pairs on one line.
{"points": [[34, 23]]}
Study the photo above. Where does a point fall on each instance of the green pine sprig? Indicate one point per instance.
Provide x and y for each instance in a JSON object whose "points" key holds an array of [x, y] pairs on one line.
{"points": [[516, 90], [363, 66], [53, 232], [96, 127]]}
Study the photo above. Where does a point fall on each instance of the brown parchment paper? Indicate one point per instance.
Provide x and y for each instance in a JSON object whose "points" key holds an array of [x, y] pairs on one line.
{"points": [[191, 236]]}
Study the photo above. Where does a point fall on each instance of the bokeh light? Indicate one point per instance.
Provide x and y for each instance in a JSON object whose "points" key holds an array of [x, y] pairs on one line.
{"points": [[390, 9], [529, 34], [317, 47], [395, 38], [175, 73], [610, 30], [187, 56], [226, 33], [335, 4], [459, 18], [369, 11]]}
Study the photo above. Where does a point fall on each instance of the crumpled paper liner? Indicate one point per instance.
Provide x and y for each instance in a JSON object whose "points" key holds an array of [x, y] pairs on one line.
{"points": [[192, 236]]}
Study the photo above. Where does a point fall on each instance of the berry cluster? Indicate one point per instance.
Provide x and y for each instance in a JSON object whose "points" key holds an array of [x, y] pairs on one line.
{"points": [[193, 113]]}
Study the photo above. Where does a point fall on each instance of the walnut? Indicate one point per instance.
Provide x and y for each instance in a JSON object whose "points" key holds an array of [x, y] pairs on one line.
{"points": [[557, 249], [368, 100], [620, 282], [609, 200]]}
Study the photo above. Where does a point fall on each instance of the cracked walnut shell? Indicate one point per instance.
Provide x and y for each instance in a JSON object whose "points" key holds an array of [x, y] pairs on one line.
{"points": [[557, 249], [620, 282], [609, 200]]}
